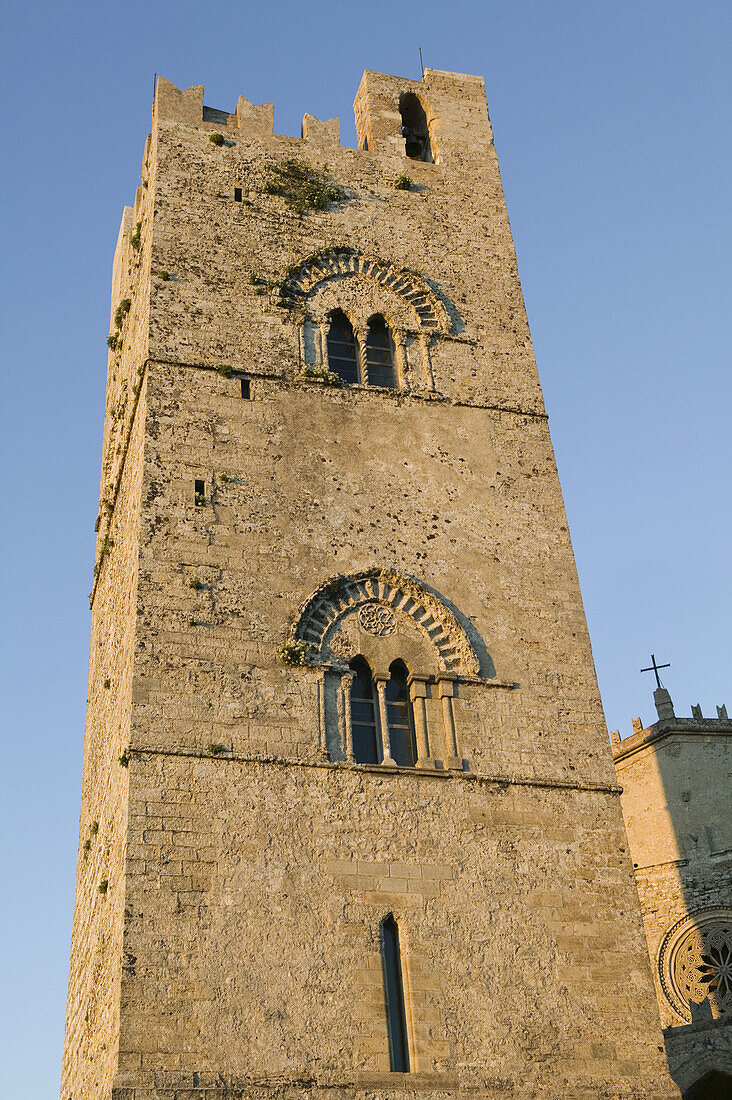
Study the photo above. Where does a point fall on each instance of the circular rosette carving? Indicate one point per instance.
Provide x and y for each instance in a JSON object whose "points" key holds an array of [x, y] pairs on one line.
{"points": [[695, 962], [377, 620]]}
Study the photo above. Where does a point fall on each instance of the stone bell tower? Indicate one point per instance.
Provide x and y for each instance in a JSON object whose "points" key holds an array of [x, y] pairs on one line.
{"points": [[350, 824]]}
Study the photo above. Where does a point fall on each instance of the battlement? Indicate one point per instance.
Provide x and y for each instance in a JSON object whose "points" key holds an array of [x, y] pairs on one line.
{"points": [[668, 723], [433, 119]]}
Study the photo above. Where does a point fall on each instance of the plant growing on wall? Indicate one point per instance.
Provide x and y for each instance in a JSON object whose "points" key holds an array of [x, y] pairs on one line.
{"points": [[322, 374], [121, 311], [303, 188], [294, 653]]}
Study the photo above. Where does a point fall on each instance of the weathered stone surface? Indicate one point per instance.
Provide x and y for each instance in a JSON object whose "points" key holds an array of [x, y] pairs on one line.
{"points": [[249, 860]]}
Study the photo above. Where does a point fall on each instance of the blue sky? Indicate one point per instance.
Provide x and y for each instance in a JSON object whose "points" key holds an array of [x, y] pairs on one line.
{"points": [[612, 123]]}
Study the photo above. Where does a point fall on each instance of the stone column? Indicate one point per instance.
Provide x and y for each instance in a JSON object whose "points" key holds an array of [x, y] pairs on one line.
{"points": [[346, 681], [418, 694], [320, 693], [445, 685], [321, 345], [385, 742], [360, 338], [401, 366]]}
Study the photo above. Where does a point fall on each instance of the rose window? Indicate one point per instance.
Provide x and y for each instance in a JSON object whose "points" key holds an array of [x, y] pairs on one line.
{"points": [[696, 962]]}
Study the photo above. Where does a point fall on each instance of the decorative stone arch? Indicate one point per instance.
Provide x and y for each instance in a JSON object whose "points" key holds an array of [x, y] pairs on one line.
{"points": [[383, 602], [384, 616], [428, 310]]}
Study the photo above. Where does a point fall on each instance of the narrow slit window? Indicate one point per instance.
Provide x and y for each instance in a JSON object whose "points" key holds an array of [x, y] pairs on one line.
{"points": [[237, 194], [380, 354], [199, 492], [246, 389], [396, 1016], [400, 717], [364, 715], [342, 348]]}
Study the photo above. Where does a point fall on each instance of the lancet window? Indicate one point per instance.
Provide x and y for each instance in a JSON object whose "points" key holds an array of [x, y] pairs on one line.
{"points": [[396, 1016], [343, 357], [400, 717], [365, 726], [380, 354]]}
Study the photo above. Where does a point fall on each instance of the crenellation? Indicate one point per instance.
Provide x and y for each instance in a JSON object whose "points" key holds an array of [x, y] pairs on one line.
{"points": [[321, 135], [253, 121], [173, 104]]}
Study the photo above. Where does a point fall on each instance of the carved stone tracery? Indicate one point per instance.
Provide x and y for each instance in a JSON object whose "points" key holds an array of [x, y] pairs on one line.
{"points": [[695, 962], [377, 620]]}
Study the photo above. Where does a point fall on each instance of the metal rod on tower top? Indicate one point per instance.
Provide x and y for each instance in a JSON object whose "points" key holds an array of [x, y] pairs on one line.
{"points": [[421, 63]]}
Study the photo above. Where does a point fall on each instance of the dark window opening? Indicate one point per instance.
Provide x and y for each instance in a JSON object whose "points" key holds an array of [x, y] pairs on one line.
{"points": [[199, 492], [246, 389], [415, 130], [365, 727], [237, 194], [342, 349], [380, 354], [396, 1017], [400, 717]]}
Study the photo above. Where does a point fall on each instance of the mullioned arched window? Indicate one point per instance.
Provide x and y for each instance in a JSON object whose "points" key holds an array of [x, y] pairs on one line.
{"points": [[392, 655]]}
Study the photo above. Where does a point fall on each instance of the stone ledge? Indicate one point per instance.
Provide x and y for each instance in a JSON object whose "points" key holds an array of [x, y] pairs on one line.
{"points": [[139, 753]]}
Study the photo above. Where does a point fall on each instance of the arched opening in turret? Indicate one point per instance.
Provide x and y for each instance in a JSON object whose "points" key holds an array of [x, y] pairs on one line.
{"points": [[415, 130]]}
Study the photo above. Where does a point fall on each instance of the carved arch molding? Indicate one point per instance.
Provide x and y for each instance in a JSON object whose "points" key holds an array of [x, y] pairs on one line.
{"points": [[426, 305], [381, 603]]}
